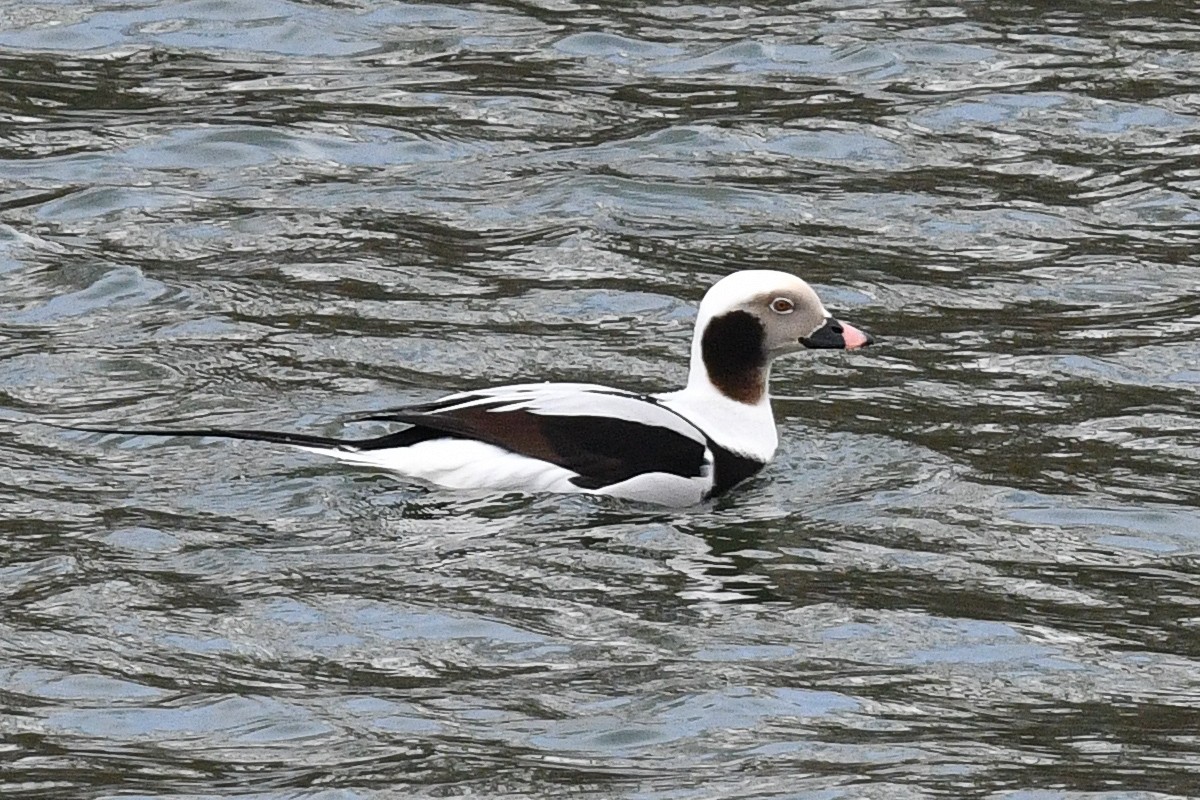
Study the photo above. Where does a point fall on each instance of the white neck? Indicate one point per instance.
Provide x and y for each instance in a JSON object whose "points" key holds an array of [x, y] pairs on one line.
{"points": [[746, 429]]}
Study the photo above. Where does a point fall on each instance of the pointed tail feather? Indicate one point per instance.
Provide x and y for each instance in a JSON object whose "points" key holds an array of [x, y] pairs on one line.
{"points": [[278, 437], [308, 441]]}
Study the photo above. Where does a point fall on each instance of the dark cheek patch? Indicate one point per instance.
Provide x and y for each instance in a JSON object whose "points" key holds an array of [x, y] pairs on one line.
{"points": [[733, 350]]}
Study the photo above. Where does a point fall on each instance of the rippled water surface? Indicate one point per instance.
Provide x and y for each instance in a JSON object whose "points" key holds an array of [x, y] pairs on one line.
{"points": [[972, 571]]}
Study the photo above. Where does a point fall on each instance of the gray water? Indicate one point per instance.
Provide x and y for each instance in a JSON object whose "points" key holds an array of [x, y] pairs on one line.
{"points": [[972, 571]]}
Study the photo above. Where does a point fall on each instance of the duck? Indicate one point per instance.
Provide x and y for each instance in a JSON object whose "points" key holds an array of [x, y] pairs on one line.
{"points": [[677, 448]]}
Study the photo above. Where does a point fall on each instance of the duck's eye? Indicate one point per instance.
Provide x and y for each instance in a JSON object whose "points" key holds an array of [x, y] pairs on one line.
{"points": [[781, 305]]}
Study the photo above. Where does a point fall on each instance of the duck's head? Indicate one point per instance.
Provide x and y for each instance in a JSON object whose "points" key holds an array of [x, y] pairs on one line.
{"points": [[748, 318]]}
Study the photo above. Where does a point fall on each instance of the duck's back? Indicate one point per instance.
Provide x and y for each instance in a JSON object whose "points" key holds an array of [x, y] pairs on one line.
{"points": [[564, 437]]}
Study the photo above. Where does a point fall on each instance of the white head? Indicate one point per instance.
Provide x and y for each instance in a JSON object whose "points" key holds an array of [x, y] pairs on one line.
{"points": [[748, 318]]}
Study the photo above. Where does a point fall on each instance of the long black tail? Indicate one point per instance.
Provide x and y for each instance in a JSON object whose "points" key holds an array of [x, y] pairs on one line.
{"points": [[299, 439], [401, 439]]}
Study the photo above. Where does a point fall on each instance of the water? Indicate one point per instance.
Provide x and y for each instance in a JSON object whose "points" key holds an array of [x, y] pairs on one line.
{"points": [[972, 571]]}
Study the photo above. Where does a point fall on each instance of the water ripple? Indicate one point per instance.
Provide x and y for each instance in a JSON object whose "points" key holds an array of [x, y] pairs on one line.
{"points": [[971, 570]]}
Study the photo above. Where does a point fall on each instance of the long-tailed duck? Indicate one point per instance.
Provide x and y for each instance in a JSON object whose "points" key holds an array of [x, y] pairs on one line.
{"points": [[672, 449]]}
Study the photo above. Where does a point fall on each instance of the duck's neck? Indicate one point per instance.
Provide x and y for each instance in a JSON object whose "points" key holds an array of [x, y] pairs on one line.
{"points": [[727, 391]]}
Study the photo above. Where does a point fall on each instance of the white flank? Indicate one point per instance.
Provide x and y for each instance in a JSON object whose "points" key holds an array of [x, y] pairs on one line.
{"points": [[660, 488], [463, 464], [468, 464]]}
